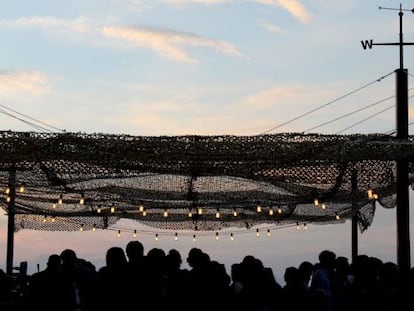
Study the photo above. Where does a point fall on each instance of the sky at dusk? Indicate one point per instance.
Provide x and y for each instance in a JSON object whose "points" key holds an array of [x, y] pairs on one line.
{"points": [[203, 67]]}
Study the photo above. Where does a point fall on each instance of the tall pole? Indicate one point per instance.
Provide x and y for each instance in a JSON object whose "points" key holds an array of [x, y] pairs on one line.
{"points": [[354, 185], [10, 221], [403, 204]]}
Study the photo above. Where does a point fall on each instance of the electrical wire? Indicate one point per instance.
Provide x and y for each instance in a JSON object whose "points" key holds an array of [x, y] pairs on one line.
{"points": [[327, 104], [38, 127]]}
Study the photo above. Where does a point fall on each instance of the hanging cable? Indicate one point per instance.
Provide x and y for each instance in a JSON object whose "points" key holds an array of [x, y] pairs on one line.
{"points": [[363, 120], [327, 104], [348, 114], [30, 118]]}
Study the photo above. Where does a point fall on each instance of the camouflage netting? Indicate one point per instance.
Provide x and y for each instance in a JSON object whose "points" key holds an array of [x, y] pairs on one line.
{"points": [[142, 177]]}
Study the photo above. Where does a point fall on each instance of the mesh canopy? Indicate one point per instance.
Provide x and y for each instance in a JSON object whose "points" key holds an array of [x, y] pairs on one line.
{"points": [[201, 182]]}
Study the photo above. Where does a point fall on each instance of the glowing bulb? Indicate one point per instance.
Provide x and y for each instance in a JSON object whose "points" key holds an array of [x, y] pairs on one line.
{"points": [[165, 214], [200, 211], [279, 210], [217, 214], [194, 237], [337, 217], [22, 188], [7, 191], [268, 232], [316, 202], [8, 199], [305, 226], [190, 213], [99, 210], [119, 233], [156, 237], [375, 196], [257, 232], [94, 228], [217, 236], [141, 208], [52, 219], [112, 209], [323, 206], [297, 226], [81, 227], [369, 193], [235, 213], [60, 201], [82, 199], [135, 233], [270, 211], [144, 213], [176, 237], [231, 236], [258, 208], [54, 205]]}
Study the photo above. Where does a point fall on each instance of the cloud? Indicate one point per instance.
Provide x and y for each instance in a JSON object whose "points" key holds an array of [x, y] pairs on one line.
{"points": [[272, 27], [49, 23], [179, 2], [168, 43], [15, 82], [294, 7]]}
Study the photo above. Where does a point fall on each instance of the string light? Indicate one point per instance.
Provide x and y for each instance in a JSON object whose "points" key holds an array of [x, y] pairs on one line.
{"points": [[60, 200], [194, 237], [7, 190], [135, 233], [112, 209], [369, 193], [119, 233], [316, 202], [144, 213], [190, 213], [81, 227], [8, 199], [268, 232], [217, 213], [297, 226], [141, 208], [217, 236], [305, 226], [279, 210], [99, 210], [165, 214], [54, 205], [257, 232], [176, 236], [235, 212], [337, 217], [156, 237], [231, 236], [323, 206], [270, 211], [22, 188], [259, 209], [200, 211], [82, 199], [94, 228]]}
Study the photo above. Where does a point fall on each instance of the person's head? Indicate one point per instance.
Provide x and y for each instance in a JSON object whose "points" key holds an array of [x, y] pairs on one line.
{"points": [[134, 250], [69, 258], [115, 257], [54, 261]]}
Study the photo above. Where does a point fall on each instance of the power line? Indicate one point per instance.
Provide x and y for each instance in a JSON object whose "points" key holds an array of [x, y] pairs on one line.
{"points": [[327, 104], [30, 118], [363, 120], [348, 114]]}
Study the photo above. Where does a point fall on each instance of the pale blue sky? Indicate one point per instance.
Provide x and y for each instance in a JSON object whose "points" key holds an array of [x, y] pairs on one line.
{"points": [[170, 67]]}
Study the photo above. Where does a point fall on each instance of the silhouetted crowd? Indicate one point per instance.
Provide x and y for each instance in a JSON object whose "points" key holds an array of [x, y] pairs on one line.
{"points": [[131, 280]]}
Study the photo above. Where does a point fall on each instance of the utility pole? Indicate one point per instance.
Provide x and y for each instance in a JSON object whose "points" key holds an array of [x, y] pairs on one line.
{"points": [[403, 206]]}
